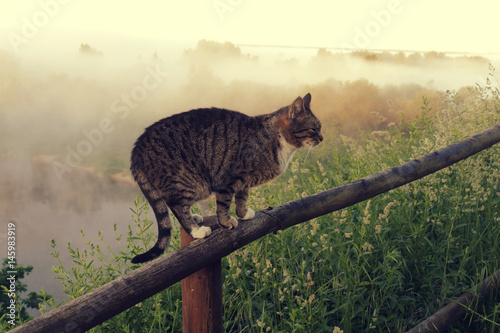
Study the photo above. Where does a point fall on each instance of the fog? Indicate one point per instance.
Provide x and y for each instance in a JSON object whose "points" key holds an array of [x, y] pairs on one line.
{"points": [[68, 121]]}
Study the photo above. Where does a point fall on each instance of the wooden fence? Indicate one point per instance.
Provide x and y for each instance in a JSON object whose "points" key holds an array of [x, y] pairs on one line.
{"points": [[116, 296]]}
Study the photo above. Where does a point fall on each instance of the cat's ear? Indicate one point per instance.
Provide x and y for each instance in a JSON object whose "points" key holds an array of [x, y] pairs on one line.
{"points": [[296, 108], [307, 101]]}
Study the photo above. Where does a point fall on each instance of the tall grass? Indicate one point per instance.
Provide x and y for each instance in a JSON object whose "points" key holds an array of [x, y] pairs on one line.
{"points": [[382, 265]]}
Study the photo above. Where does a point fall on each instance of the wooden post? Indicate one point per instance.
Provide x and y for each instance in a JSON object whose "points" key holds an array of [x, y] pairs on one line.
{"points": [[202, 297]]}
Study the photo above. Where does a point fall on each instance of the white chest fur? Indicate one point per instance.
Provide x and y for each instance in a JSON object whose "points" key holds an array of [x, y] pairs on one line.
{"points": [[285, 154]]}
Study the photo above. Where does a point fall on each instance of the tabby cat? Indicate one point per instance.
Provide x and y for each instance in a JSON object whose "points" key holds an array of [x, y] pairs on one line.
{"points": [[182, 159]]}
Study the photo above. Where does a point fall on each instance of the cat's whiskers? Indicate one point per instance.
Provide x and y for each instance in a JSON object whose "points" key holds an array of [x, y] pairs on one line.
{"points": [[308, 152]]}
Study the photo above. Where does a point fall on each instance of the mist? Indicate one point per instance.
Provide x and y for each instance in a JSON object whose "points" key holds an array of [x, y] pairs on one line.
{"points": [[69, 121]]}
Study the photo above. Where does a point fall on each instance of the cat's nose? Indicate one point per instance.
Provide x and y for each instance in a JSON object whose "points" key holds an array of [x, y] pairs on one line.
{"points": [[320, 137]]}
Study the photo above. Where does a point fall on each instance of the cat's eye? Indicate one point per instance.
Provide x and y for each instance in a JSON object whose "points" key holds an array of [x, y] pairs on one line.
{"points": [[314, 131]]}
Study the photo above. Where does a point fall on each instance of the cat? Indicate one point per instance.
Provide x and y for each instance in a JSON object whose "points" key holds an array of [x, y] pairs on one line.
{"points": [[184, 158]]}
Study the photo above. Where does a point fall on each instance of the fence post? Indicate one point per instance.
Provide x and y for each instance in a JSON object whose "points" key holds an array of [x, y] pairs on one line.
{"points": [[202, 297]]}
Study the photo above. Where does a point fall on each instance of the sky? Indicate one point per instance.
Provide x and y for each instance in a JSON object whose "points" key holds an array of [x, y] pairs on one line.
{"points": [[30, 27]]}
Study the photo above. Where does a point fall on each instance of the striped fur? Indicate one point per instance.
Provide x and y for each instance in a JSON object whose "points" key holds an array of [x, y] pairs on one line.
{"points": [[184, 158]]}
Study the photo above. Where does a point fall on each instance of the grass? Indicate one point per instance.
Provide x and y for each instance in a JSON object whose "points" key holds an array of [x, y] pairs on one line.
{"points": [[382, 265]]}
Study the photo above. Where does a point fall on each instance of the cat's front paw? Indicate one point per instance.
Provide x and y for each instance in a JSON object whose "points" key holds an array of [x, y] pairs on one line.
{"points": [[249, 215], [231, 223], [201, 232]]}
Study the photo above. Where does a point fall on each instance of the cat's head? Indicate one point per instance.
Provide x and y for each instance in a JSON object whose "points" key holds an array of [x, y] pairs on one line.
{"points": [[298, 124]]}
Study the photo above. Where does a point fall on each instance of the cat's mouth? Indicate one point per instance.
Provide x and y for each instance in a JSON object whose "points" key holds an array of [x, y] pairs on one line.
{"points": [[310, 145], [313, 142]]}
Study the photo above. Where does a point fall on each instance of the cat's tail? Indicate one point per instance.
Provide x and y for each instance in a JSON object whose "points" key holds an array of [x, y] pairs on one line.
{"points": [[162, 215]]}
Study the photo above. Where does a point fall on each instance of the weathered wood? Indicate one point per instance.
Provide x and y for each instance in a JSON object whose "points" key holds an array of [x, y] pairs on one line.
{"points": [[441, 320], [202, 296], [116, 296]]}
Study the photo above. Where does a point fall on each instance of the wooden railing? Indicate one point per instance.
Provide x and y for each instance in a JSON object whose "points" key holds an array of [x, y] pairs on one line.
{"points": [[116, 296]]}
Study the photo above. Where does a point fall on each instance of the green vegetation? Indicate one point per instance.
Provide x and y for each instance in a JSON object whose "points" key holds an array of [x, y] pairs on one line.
{"points": [[379, 266], [12, 289]]}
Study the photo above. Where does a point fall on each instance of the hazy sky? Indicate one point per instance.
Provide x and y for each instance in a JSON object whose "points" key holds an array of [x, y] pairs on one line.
{"points": [[29, 26]]}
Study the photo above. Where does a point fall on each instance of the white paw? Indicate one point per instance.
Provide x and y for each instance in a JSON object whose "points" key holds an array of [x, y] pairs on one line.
{"points": [[249, 215], [201, 232], [197, 218]]}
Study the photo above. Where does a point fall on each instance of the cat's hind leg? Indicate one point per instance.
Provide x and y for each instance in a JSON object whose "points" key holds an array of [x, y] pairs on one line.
{"points": [[224, 199], [190, 222], [242, 211]]}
